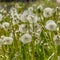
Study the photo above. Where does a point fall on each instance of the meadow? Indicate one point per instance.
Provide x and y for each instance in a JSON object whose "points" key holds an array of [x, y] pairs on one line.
{"points": [[30, 31]]}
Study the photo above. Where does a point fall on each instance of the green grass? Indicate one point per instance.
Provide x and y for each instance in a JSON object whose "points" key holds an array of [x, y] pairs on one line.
{"points": [[45, 49]]}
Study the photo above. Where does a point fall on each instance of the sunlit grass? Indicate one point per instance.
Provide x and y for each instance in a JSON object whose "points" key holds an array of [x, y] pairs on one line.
{"points": [[30, 31]]}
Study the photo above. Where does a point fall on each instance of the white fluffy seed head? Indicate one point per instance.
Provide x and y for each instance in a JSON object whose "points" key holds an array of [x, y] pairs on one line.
{"points": [[56, 39], [22, 28], [7, 40], [40, 7], [30, 9], [51, 25], [5, 25], [47, 12], [26, 38]]}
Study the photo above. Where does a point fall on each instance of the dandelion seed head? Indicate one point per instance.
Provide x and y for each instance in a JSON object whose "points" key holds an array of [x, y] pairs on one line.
{"points": [[22, 28], [30, 8], [47, 12], [6, 40], [56, 39], [5, 25], [40, 7], [51, 25], [26, 38]]}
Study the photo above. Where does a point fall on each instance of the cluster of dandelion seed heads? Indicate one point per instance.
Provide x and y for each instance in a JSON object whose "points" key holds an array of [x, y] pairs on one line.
{"points": [[37, 25]]}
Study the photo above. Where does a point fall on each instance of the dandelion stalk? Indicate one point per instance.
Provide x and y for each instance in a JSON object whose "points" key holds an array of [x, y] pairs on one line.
{"points": [[3, 48]]}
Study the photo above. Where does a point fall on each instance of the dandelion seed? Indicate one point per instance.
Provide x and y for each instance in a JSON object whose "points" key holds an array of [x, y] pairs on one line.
{"points": [[22, 28], [47, 12], [30, 9], [32, 18], [40, 7], [5, 25], [26, 38], [37, 42], [6, 40], [51, 25]]}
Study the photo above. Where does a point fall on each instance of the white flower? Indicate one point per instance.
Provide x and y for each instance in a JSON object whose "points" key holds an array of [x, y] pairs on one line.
{"points": [[27, 12], [37, 28], [24, 15], [19, 16], [11, 34], [17, 5], [7, 40], [13, 13], [51, 25], [56, 39], [32, 18], [26, 38], [28, 16], [23, 18], [1, 16], [47, 12], [40, 7], [2, 37], [30, 8], [37, 42], [15, 21], [22, 28], [5, 25], [38, 32]]}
